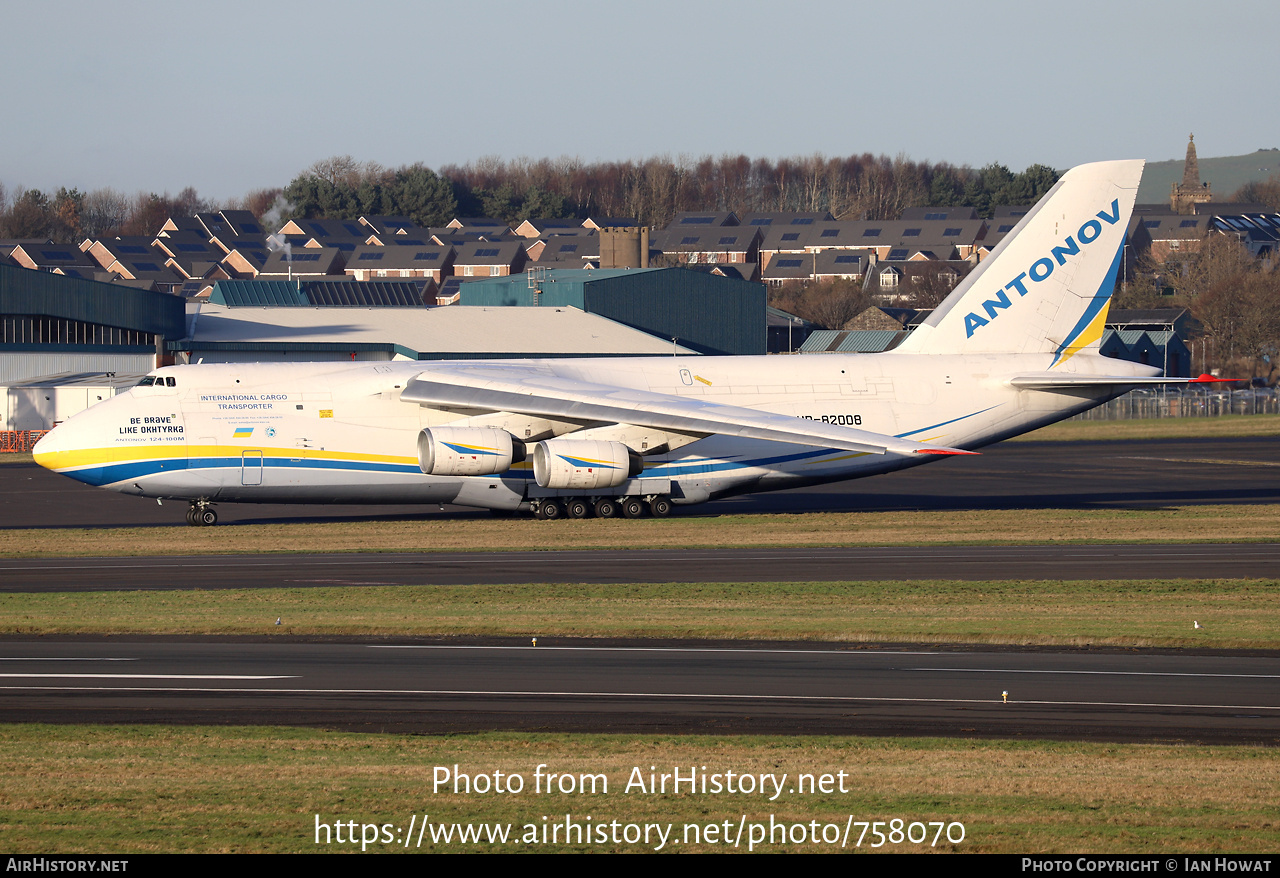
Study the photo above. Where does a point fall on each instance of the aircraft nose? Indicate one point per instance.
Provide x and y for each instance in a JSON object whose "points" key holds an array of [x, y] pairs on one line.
{"points": [[66, 449], [46, 449]]}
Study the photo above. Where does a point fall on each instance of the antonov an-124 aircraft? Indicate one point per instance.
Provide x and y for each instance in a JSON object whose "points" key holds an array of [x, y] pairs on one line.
{"points": [[1013, 348]]}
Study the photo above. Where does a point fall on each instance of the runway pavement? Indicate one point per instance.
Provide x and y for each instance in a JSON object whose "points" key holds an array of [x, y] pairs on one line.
{"points": [[624, 687], [960, 563], [788, 688]]}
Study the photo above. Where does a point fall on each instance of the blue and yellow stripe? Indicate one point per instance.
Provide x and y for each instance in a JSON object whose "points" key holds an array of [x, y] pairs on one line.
{"points": [[1088, 329]]}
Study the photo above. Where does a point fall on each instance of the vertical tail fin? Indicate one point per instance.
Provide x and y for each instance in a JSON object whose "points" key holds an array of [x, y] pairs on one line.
{"points": [[1046, 287]]}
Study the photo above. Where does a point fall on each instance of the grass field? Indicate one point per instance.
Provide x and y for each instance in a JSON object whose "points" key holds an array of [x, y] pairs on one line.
{"points": [[435, 533], [73, 789], [1235, 613]]}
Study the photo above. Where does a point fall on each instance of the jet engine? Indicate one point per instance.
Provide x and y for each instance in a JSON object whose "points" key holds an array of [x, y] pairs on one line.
{"points": [[583, 464], [467, 451]]}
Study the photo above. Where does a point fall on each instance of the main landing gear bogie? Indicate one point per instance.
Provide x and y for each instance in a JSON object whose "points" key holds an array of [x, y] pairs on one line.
{"points": [[201, 515], [551, 509]]}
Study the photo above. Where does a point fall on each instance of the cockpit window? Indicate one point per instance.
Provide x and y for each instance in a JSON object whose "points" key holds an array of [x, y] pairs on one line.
{"points": [[158, 381]]}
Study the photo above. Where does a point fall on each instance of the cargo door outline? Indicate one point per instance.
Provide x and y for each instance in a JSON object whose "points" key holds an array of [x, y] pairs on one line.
{"points": [[251, 464]]}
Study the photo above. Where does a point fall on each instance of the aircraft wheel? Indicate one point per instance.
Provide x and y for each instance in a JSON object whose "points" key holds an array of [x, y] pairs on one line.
{"points": [[577, 508], [191, 516], [633, 507], [606, 507], [207, 517], [660, 506], [550, 510]]}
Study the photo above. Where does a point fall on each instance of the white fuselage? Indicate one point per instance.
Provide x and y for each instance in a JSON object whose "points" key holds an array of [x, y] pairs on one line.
{"points": [[326, 433]]}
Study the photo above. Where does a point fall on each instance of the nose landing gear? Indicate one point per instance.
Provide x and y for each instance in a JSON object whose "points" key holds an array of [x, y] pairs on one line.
{"points": [[201, 514]]}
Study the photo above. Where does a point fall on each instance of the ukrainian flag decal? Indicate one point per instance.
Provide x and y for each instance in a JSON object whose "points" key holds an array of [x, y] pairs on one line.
{"points": [[242, 433]]}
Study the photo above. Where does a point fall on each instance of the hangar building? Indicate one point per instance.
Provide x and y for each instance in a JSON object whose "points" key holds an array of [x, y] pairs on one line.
{"points": [[703, 311]]}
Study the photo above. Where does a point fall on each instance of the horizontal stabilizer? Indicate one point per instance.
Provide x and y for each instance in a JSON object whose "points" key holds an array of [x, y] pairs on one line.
{"points": [[1052, 380], [538, 391]]}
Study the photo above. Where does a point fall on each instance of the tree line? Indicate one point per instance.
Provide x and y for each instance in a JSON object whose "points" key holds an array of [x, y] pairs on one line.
{"points": [[651, 190], [654, 190], [70, 216]]}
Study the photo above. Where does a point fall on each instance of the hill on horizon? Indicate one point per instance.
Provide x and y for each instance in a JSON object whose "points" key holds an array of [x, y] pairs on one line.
{"points": [[1225, 174]]}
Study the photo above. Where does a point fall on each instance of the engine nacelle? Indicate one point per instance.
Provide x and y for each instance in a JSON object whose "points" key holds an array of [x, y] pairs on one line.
{"points": [[583, 464], [467, 451]]}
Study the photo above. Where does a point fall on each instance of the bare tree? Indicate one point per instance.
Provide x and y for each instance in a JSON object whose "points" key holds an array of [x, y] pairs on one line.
{"points": [[1219, 258], [1261, 192], [1242, 314], [828, 303], [105, 213], [338, 170], [930, 283]]}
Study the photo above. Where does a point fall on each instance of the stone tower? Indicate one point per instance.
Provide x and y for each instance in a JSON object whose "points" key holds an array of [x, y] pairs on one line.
{"points": [[1191, 191]]}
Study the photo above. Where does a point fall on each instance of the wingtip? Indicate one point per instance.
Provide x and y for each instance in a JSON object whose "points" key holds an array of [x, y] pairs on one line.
{"points": [[945, 451]]}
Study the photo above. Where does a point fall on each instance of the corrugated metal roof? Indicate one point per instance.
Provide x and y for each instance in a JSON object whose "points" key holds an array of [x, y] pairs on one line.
{"points": [[777, 317], [33, 365], [1160, 337], [29, 292], [868, 341], [848, 341], [258, 293], [301, 294], [1132, 337], [365, 294], [83, 379], [821, 341]]}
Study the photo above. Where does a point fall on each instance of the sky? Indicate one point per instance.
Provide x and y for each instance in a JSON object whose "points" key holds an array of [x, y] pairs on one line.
{"points": [[236, 96]]}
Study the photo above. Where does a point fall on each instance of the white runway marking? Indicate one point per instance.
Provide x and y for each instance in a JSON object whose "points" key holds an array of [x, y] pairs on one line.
{"points": [[686, 696], [1205, 460], [156, 676], [49, 658], [672, 649], [1099, 673]]}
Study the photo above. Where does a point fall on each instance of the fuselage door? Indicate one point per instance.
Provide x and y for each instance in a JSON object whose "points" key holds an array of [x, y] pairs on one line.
{"points": [[251, 468]]}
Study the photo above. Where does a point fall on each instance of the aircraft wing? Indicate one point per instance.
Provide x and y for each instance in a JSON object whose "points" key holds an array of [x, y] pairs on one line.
{"points": [[538, 391]]}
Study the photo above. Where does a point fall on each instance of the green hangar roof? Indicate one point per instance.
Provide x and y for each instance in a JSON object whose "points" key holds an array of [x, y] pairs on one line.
{"points": [[26, 292], [705, 312]]}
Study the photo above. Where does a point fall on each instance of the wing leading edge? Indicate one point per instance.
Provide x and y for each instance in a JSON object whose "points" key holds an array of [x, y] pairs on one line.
{"points": [[541, 393]]}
